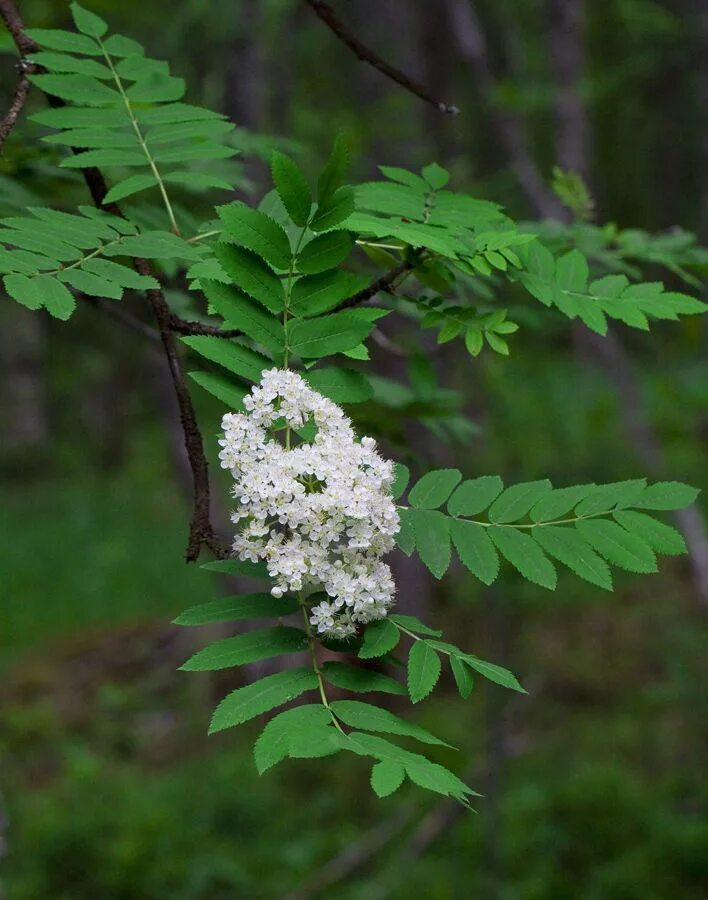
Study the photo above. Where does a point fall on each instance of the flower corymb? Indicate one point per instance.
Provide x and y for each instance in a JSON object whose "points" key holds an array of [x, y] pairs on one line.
{"points": [[319, 513]]}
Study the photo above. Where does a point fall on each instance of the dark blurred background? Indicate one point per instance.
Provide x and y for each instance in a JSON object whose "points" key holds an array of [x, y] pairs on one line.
{"points": [[594, 784]]}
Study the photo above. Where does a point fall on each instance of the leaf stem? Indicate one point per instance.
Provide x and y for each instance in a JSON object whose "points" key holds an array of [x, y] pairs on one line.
{"points": [[312, 643], [202, 236], [286, 307], [79, 262], [141, 139], [569, 521]]}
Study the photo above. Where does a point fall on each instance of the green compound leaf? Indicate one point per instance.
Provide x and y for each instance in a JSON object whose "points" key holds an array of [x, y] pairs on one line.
{"points": [[239, 311], [56, 298], [354, 678], [492, 672], [525, 555], [223, 389], [434, 777], [406, 534], [403, 176], [605, 497], [475, 549], [250, 701], [400, 480], [249, 647], [314, 742], [618, 546], [234, 609], [517, 500], [387, 777], [88, 22], [475, 495], [423, 670], [380, 638], [372, 718], [666, 495], [153, 245], [118, 45], [63, 62], [40, 242], [90, 284], [425, 773], [102, 157], [66, 41], [292, 187], [559, 502], [660, 537], [129, 186], [335, 210], [411, 623], [315, 338], [158, 87], [435, 175], [274, 742], [232, 356], [256, 232], [432, 539], [23, 289], [434, 488], [325, 252], [462, 676], [313, 295], [340, 385], [334, 172], [120, 275], [248, 272], [570, 548]]}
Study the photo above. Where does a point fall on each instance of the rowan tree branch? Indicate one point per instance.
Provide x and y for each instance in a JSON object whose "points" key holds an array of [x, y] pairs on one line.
{"points": [[365, 54], [177, 324], [18, 101], [185, 326], [12, 19], [384, 283], [201, 531]]}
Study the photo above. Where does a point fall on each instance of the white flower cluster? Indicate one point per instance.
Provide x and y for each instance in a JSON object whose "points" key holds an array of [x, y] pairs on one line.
{"points": [[319, 513]]}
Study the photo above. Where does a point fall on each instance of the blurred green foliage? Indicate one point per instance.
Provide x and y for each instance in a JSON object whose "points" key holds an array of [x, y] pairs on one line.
{"points": [[111, 789]]}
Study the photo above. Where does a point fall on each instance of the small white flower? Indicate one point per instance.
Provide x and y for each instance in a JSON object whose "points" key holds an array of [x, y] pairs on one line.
{"points": [[319, 514]]}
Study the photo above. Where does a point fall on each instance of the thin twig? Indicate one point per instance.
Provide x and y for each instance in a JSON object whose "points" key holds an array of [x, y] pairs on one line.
{"points": [[184, 326], [177, 324], [384, 283], [12, 19], [328, 16], [18, 101], [201, 530]]}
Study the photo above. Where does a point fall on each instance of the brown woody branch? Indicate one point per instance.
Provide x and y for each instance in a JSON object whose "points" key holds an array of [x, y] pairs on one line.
{"points": [[365, 54], [18, 101], [184, 326], [12, 19], [177, 324], [201, 531], [385, 283]]}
